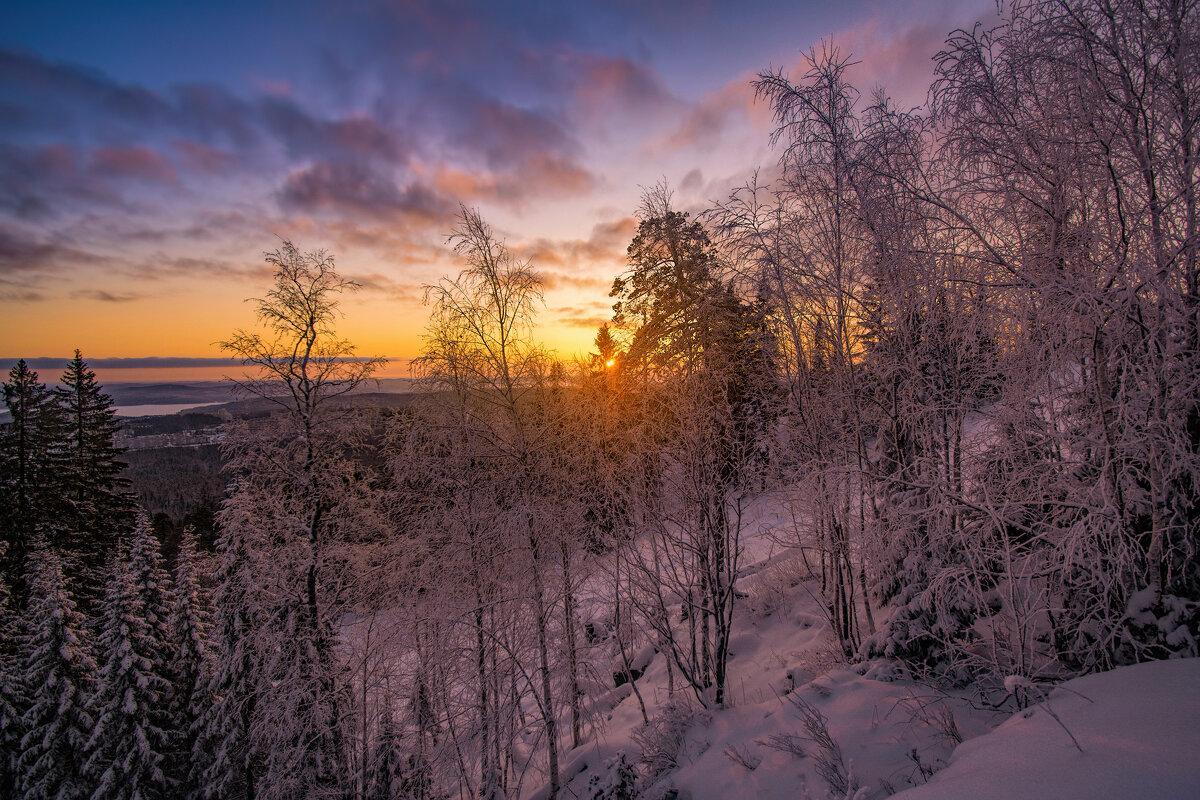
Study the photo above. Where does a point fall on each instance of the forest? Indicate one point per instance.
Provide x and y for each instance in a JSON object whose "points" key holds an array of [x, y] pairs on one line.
{"points": [[956, 347]]}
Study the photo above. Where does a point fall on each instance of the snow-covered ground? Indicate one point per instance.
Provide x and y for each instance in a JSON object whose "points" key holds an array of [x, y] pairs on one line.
{"points": [[1137, 728]]}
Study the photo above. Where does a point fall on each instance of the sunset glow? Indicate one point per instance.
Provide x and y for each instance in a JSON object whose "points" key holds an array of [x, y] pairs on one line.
{"points": [[152, 153]]}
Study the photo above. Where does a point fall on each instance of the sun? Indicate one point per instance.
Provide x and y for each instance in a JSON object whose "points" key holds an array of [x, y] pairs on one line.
{"points": [[610, 362]]}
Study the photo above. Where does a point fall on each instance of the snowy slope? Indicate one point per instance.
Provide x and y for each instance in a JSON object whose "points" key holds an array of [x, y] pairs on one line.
{"points": [[1138, 727]]}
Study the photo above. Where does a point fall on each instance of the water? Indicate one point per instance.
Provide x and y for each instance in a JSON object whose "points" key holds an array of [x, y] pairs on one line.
{"points": [[159, 409]]}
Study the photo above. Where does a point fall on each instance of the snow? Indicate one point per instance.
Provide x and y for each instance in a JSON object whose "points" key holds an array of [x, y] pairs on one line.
{"points": [[1138, 727]]}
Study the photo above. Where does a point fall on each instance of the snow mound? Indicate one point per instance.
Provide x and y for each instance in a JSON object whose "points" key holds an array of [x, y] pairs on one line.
{"points": [[1138, 728]]}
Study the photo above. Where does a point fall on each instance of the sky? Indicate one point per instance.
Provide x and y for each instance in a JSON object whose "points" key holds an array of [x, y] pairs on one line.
{"points": [[151, 152]]}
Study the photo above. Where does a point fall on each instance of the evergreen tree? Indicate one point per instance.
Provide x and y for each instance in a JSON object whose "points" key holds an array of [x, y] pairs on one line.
{"points": [[58, 673], [12, 690], [31, 461], [99, 505], [383, 778], [152, 585], [188, 672], [224, 749], [127, 745]]}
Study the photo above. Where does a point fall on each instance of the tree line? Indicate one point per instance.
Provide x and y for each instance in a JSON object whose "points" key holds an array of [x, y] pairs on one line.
{"points": [[958, 347]]}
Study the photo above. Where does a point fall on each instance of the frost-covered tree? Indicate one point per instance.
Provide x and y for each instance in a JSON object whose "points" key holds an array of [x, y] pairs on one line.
{"points": [[58, 676], [188, 671], [127, 749], [298, 492], [480, 356], [702, 360], [224, 754], [12, 688], [152, 584]]}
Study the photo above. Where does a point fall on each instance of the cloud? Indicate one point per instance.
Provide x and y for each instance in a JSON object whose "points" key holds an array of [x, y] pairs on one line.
{"points": [[897, 54], [204, 159], [607, 82], [539, 176], [304, 136], [353, 188], [706, 122], [161, 266], [43, 182], [606, 244], [498, 134], [151, 362], [587, 315], [139, 163], [21, 252], [105, 296], [558, 280], [378, 283], [11, 293]]}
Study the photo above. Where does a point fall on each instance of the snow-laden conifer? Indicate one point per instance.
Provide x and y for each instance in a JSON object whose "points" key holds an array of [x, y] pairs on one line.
{"points": [[127, 746], [152, 584], [189, 672], [12, 694], [58, 677], [223, 751], [383, 772]]}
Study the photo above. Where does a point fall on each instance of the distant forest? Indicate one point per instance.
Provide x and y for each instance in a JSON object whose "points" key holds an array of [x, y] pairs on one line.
{"points": [[959, 346]]}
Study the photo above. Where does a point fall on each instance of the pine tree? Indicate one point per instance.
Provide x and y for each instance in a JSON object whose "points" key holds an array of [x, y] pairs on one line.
{"points": [[383, 777], [99, 505], [31, 469], [153, 587], [224, 751], [59, 673], [188, 672], [12, 689], [127, 746]]}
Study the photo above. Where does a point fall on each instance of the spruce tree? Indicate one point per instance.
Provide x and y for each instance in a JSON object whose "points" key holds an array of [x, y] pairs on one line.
{"points": [[12, 689], [59, 674], [98, 503], [31, 471], [153, 587], [384, 773], [188, 672], [127, 746], [224, 749]]}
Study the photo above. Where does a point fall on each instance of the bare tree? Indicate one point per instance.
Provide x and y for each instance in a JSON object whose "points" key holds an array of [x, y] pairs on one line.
{"points": [[295, 487]]}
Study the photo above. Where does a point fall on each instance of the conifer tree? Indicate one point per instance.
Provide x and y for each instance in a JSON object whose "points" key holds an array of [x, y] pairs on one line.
{"points": [[58, 673], [224, 749], [12, 694], [188, 671], [30, 469], [127, 746], [153, 587], [99, 505]]}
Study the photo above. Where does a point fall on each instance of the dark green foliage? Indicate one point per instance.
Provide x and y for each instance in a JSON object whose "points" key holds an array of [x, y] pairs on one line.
{"points": [[98, 503], [32, 470]]}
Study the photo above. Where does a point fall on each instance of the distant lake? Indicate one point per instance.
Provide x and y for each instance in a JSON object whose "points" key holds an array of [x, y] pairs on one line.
{"points": [[159, 409]]}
